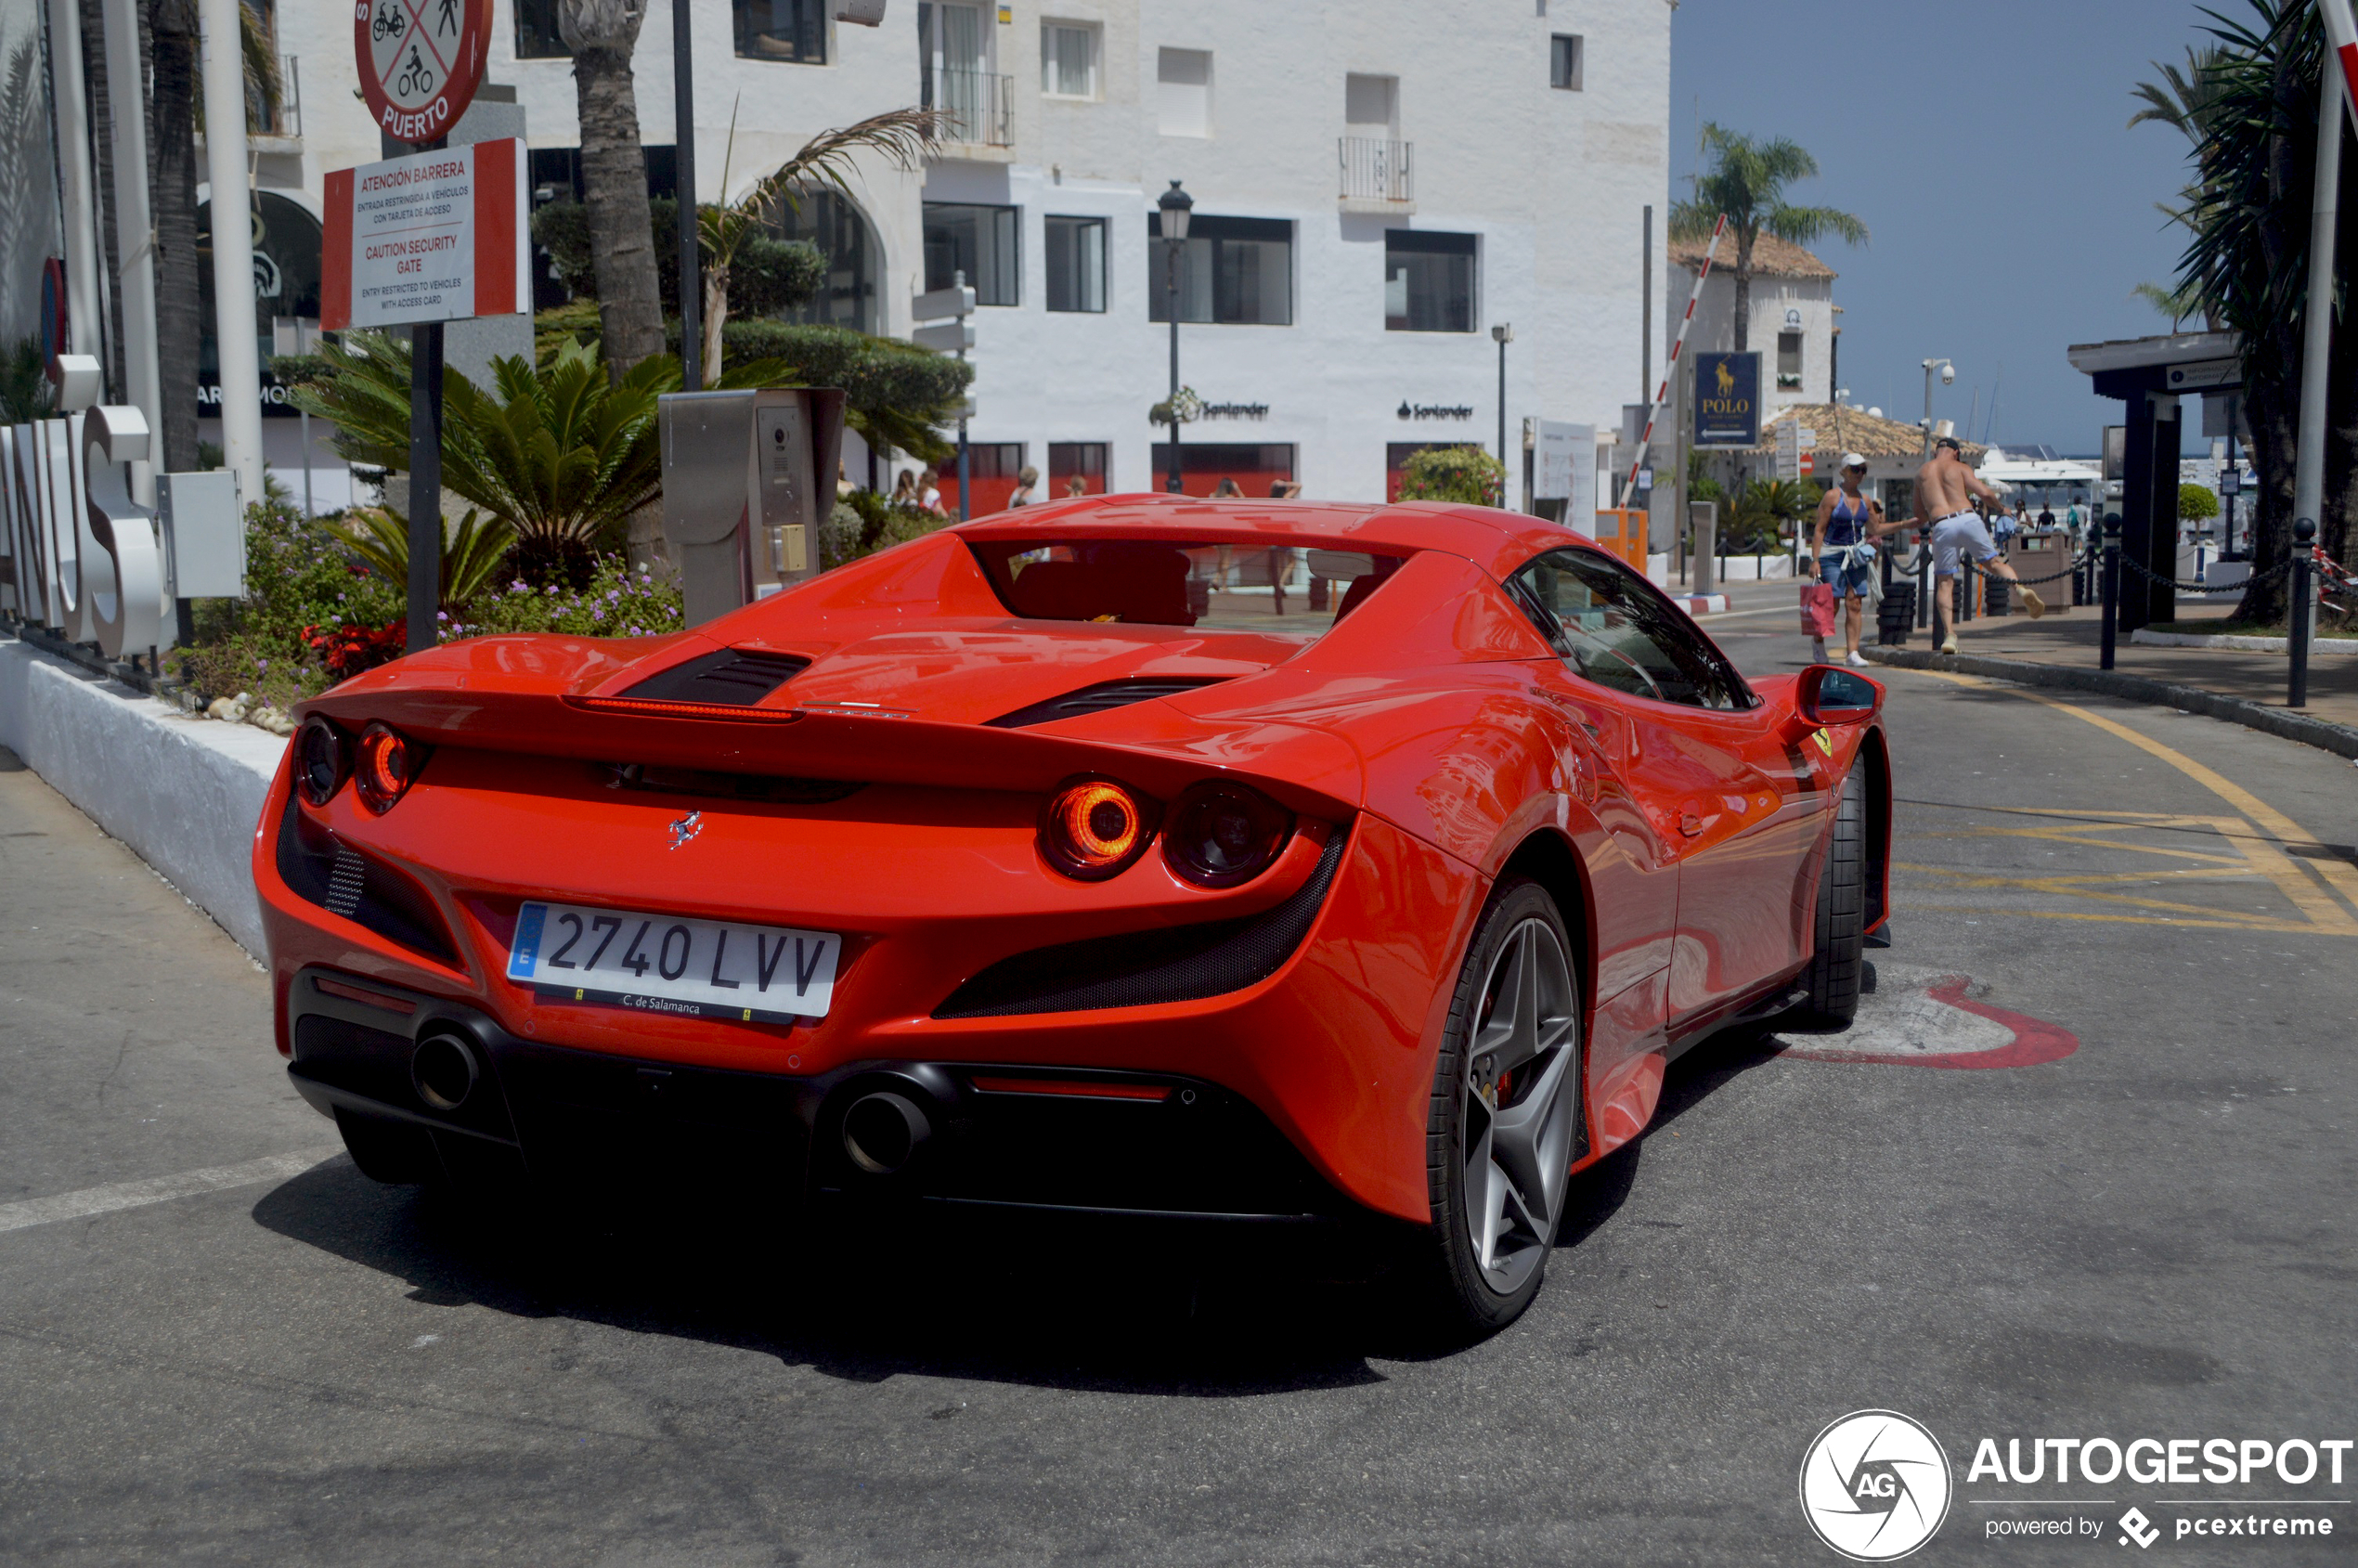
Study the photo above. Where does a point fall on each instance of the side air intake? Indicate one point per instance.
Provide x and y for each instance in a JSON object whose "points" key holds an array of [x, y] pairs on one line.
{"points": [[1099, 698], [734, 677]]}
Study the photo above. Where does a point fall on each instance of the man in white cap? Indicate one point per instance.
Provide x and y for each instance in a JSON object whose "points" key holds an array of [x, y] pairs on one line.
{"points": [[1945, 488], [1843, 544]]}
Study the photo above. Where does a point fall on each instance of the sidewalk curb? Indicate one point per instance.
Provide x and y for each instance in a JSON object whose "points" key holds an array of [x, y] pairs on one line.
{"points": [[2339, 739], [183, 793]]}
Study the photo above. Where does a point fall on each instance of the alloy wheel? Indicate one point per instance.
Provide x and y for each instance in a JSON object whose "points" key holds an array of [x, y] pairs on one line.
{"points": [[1518, 1098]]}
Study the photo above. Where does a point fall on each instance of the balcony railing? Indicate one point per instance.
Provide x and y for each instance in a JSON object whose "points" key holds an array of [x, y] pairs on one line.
{"points": [[287, 119], [974, 105], [1377, 174]]}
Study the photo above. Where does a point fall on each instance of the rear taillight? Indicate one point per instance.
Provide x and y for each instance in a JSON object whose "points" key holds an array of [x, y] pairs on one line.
{"points": [[1094, 827], [322, 761], [387, 763], [1220, 834]]}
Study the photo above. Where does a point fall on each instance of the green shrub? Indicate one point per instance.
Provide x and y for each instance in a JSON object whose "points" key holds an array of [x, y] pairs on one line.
{"points": [[2196, 504], [1452, 473], [621, 601], [300, 575]]}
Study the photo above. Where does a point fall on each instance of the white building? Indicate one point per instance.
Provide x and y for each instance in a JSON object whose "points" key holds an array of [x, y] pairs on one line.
{"points": [[1376, 185], [1794, 327]]}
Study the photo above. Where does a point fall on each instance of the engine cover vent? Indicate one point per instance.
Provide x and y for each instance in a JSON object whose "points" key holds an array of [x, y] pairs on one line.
{"points": [[1099, 698], [734, 677]]}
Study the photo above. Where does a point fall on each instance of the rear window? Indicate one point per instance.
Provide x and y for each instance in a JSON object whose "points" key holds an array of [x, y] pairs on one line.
{"points": [[1288, 589]]}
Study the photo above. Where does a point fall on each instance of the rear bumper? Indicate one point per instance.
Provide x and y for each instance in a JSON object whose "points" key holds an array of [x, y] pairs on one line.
{"points": [[1055, 1138]]}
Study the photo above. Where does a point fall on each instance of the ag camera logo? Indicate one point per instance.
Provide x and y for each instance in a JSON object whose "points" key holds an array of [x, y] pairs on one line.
{"points": [[1874, 1485]]}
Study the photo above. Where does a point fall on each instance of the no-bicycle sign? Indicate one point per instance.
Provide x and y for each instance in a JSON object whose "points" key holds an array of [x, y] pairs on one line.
{"points": [[420, 61]]}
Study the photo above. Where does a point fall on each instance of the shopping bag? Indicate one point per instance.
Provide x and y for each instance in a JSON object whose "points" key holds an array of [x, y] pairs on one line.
{"points": [[1817, 609]]}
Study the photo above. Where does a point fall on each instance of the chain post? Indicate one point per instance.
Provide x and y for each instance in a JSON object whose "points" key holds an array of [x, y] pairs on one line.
{"points": [[2302, 610], [2111, 585]]}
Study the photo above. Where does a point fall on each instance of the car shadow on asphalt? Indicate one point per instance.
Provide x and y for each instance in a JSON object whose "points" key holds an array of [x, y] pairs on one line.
{"points": [[1137, 1309]]}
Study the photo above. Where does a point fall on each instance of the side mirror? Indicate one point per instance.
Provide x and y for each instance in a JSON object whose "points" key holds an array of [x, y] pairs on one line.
{"points": [[1829, 695]]}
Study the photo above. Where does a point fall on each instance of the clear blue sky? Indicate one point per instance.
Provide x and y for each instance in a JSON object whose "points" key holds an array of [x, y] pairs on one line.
{"points": [[1986, 147]]}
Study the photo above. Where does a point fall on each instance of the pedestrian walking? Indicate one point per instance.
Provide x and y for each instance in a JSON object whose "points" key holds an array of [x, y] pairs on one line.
{"points": [[1843, 543], [1025, 492], [1946, 489]]}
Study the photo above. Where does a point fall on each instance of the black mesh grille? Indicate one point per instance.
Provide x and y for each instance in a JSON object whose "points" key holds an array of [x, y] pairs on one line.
{"points": [[736, 676], [1097, 698], [1142, 967], [317, 867]]}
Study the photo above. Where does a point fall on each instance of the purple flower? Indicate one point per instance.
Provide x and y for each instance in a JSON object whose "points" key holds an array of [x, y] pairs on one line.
{"points": [[442, 614]]}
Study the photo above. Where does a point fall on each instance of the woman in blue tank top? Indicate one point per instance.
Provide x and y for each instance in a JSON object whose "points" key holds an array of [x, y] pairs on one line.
{"points": [[1844, 545]]}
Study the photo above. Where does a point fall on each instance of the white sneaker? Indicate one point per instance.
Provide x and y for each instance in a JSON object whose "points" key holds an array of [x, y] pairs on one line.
{"points": [[1857, 659], [1818, 651], [1950, 645]]}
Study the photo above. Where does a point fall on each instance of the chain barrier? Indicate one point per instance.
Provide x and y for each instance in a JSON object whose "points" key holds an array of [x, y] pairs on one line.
{"points": [[2151, 575], [2072, 570]]}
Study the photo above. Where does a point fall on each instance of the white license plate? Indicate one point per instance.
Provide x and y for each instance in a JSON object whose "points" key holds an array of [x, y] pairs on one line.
{"points": [[669, 963]]}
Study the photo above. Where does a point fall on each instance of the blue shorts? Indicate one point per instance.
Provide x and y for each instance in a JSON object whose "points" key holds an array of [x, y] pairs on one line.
{"points": [[1856, 581]]}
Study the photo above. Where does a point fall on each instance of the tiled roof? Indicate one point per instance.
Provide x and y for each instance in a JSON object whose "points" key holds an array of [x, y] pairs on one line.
{"points": [[1771, 257], [1849, 430]]}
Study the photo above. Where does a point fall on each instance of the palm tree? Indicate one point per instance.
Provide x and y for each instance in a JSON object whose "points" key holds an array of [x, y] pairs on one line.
{"points": [[2177, 304], [904, 135], [602, 34], [1747, 181]]}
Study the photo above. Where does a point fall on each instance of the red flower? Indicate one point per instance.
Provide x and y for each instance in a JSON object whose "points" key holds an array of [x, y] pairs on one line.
{"points": [[348, 649]]}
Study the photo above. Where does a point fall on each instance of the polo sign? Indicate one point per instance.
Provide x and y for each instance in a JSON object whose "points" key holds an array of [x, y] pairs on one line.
{"points": [[420, 61], [432, 236], [1727, 400]]}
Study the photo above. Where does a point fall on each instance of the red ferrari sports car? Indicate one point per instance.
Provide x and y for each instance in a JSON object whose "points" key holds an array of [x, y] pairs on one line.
{"points": [[1282, 862]]}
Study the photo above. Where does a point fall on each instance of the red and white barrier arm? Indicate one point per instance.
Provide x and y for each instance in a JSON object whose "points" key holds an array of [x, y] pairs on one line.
{"points": [[1678, 346], [2341, 36]]}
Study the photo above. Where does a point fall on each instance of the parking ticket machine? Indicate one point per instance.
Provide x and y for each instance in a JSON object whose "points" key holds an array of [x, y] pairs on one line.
{"points": [[748, 478]]}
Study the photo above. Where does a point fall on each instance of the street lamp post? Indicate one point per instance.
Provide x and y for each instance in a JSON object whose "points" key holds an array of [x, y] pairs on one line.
{"points": [[1174, 205], [1502, 334]]}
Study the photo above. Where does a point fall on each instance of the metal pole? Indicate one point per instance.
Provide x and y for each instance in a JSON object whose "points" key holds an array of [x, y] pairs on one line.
{"points": [[85, 295], [2303, 607], [683, 163], [426, 485], [965, 462], [303, 426], [224, 113], [1502, 421], [1171, 289], [2111, 587], [134, 218], [2316, 344], [1678, 346], [1646, 308]]}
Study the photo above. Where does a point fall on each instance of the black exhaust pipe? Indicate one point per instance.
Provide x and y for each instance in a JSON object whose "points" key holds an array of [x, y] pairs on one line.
{"points": [[444, 1071], [882, 1132]]}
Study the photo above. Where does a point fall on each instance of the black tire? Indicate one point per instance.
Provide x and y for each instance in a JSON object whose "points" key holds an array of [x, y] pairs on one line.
{"points": [[393, 1152], [1532, 1120], [1835, 973]]}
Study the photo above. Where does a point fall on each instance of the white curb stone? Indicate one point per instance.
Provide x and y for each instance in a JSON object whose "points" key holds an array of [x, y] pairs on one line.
{"points": [[185, 793]]}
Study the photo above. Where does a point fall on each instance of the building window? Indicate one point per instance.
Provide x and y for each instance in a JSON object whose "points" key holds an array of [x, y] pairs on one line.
{"points": [[1428, 282], [1069, 460], [1076, 264], [996, 466], [537, 34], [832, 222], [1371, 106], [1182, 92], [1234, 271], [1565, 57], [1068, 60], [781, 29], [1788, 360], [976, 240], [1202, 465]]}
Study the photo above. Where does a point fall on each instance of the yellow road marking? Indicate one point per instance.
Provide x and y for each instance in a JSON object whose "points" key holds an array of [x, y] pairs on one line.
{"points": [[2342, 877], [2257, 923]]}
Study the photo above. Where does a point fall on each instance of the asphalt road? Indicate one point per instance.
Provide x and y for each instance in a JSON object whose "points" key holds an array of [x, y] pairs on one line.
{"points": [[2095, 1181]]}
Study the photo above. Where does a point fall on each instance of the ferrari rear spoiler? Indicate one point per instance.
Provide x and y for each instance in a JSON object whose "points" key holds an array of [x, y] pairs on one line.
{"points": [[1305, 769]]}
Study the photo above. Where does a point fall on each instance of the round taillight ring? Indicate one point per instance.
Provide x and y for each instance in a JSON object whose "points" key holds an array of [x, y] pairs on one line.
{"points": [[387, 762], [1092, 828], [1220, 834], [322, 761]]}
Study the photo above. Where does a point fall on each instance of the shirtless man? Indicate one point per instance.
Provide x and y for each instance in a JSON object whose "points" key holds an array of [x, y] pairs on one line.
{"points": [[1945, 488]]}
